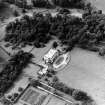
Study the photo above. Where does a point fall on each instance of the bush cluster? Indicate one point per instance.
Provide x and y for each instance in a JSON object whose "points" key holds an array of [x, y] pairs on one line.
{"points": [[63, 88], [13, 69], [79, 95]]}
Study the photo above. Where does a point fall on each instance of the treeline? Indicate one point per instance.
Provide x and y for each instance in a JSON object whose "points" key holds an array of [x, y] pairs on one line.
{"points": [[80, 4], [38, 30], [13, 69]]}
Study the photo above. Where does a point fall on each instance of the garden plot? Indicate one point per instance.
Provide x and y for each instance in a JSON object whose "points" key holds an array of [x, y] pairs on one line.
{"points": [[33, 96], [22, 82]]}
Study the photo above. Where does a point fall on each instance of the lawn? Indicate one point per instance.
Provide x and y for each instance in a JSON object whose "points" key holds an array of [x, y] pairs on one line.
{"points": [[31, 71], [56, 101], [86, 71], [22, 82], [3, 58]]}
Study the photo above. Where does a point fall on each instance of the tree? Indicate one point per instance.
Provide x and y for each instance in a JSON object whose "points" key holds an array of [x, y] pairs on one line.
{"points": [[9, 97], [80, 96], [13, 69], [55, 79], [55, 44], [15, 95], [102, 51]]}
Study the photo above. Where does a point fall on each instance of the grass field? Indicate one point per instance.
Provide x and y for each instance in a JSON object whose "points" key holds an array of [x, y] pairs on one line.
{"points": [[86, 71], [100, 4]]}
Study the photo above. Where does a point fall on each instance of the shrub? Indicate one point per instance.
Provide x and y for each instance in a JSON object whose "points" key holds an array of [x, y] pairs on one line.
{"points": [[15, 95], [55, 44]]}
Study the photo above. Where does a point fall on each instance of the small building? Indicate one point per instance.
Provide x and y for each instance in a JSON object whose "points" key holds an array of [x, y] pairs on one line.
{"points": [[77, 14], [43, 71], [49, 57], [44, 68]]}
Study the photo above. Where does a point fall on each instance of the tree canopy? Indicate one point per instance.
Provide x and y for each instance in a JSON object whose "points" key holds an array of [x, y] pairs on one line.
{"points": [[13, 69], [87, 32]]}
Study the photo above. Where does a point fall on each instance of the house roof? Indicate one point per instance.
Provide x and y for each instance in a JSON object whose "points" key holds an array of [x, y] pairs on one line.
{"points": [[50, 54]]}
